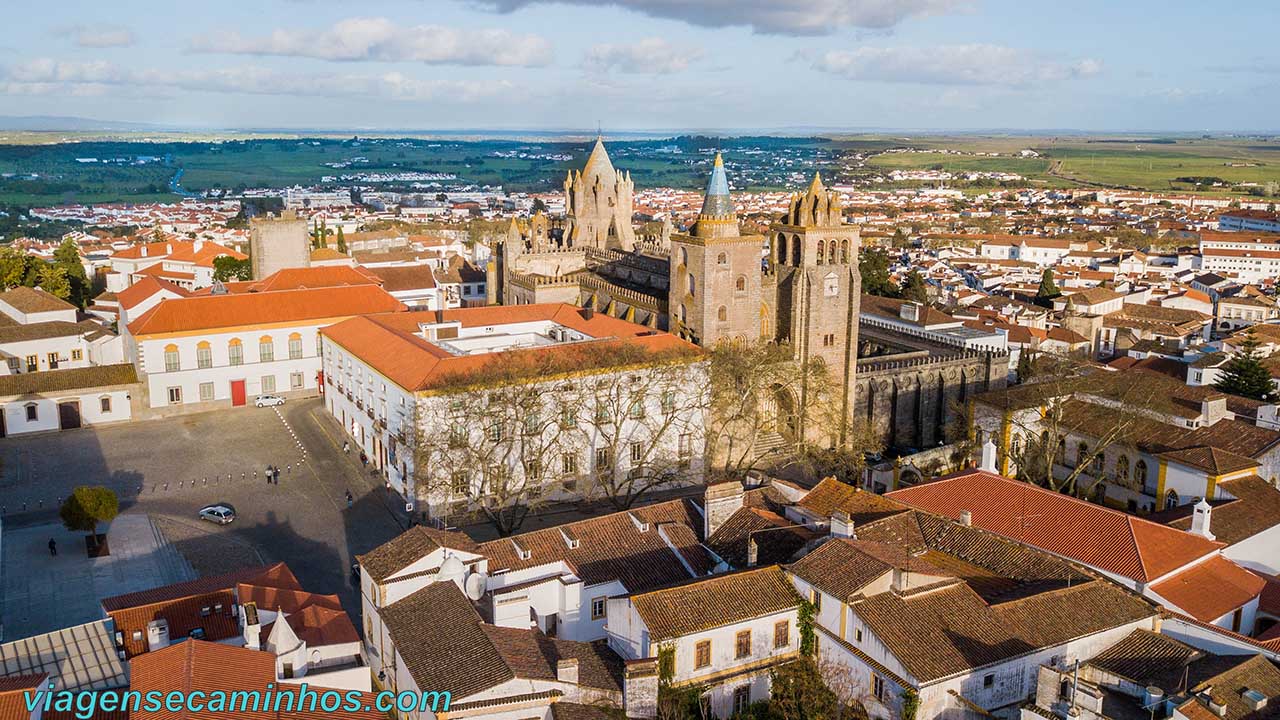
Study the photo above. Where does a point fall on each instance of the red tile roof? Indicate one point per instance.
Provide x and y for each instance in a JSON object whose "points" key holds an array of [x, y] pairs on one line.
{"points": [[1210, 589], [179, 251], [1096, 536], [315, 277], [12, 695], [145, 288], [212, 312], [318, 626], [389, 344]]}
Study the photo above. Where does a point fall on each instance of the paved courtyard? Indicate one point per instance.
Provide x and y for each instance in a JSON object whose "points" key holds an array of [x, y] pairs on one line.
{"points": [[303, 521], [42, 592]]}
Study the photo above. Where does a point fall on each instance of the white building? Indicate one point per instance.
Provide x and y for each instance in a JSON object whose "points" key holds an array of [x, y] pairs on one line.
{"points": [[186, 263]]}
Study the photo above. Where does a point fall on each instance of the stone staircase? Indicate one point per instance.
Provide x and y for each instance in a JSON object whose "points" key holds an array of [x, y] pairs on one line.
{"points": [[176, 567]]}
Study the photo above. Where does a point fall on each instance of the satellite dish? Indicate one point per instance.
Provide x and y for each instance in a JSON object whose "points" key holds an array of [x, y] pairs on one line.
{"points": [[475, 585]]}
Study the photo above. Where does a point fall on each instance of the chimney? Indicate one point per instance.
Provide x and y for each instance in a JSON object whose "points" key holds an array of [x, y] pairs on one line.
{"points": [[910, 311], [989, 456], [252, 626], [841, 525], [719, 502], [197, 245], [567, 671], [966, 518], [144, 249], [753, 552], [157, 635], [640, 688], [901, 580], [1213, 408], [1200, 519], [588, 312], [168, 248]]}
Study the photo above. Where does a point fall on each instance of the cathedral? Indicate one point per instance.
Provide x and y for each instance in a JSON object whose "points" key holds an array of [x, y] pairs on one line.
{"points": [[709, 283]]}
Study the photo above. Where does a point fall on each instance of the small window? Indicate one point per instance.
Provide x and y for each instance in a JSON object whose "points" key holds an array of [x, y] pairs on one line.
{"points": [[722, 314], [137, 635], [268, 383], [877, 687], [460, 484], [295, 347], [741, 699], [603, 459], [742, 645], [988, 680], [33, 412], [235, 353], [104, 403], [204, 356], [295, 381], [175, 395], [569, 464], [702, 654], [599, 606], [741, 284], [722, 259], [33, 363], [817, 601], [857, 635], [77, 354], [171, 363], [781, 634], [206, 392], [637, 453], [266, 350]]}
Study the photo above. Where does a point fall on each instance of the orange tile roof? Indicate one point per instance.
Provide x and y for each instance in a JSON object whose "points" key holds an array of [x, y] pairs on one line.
{"points": [[183, 616], [196, 665], [12, 693], [180, 251], [1091, 534], [1210, 589], [210, 312], [317, 626], [158, 271], [315, 277], [145, 288], [389, 344]]}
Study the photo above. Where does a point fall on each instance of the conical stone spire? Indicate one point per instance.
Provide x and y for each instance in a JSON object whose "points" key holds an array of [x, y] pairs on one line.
{"points": [[717, 202]]}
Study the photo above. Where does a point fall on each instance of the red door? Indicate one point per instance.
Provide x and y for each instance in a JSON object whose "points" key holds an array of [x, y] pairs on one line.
{"points": [[237, 392]]}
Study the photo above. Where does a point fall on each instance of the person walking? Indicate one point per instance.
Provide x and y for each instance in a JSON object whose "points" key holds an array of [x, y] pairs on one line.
{"points": [[364, 459], [350, 499], [53, 547], [268, 474], [276, 474], [346, 447]]}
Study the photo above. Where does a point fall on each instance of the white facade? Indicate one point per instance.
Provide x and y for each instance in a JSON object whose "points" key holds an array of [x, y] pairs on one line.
{"points": [[97, 406]]}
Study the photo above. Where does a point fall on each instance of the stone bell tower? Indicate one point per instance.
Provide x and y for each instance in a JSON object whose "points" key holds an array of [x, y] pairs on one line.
{"points": [[814, 256], [598, 204]]}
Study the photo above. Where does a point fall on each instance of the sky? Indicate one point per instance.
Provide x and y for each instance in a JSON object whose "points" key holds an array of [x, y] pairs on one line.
{"points": [[637, 65]]}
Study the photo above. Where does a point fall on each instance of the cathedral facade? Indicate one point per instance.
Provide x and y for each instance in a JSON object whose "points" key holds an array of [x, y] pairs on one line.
{"points": [[799, 286]]}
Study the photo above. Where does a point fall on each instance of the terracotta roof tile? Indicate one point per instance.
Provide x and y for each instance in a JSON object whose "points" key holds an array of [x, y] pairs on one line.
{"points": [[1210, 589], [409, 547], [48, 381], [314, 277], [33, 300], [1096, 536], [317, 626], [1146, 658], [531, 655], [715, 601], [830, 495], [211, 312]]}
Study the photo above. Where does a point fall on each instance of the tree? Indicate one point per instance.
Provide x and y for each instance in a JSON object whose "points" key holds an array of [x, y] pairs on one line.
{"points": [[67, 256], [14, 266], [1026, 365], [1048, 288], [538, 206], [53, 280], [1245, 375], [873, 265], [342, 241], [87, 506], [227, 268], [914, 288], [899, 239]]}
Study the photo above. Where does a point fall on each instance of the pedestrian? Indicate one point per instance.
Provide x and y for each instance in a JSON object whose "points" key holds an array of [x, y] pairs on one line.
{"points": [[350, 499], [364, 459], [276, 475], [53, 547], [268, 474], [346, 447]]}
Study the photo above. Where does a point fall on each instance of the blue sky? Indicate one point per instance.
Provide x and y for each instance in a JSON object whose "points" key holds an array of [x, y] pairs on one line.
{"points": [[649, 64]]}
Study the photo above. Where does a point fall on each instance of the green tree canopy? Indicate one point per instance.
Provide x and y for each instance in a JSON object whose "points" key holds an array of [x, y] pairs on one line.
{"points": [[873, 265], [1048, 288], [87, 506], [1245, 375], [53, 280], [227, 268], [914, 289], [67, 257], [342, 241]]}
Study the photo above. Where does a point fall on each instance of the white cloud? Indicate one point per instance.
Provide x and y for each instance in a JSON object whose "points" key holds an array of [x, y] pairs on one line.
{"points": [[98, 36], [776, 17], [380, 39], [648, 56], [949, 65], [45, 76]]}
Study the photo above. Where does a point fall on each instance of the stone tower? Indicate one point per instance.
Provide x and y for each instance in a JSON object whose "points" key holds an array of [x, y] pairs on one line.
{"points": [[276, 243], [715, 272], [597, 202], [814, 257]]}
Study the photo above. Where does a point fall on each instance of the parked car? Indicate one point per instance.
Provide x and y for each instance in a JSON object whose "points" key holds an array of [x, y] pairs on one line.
{"points": [[220, 513], [268, 401]]}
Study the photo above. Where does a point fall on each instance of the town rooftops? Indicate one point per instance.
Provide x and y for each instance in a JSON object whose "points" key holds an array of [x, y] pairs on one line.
{"points": [[1210, 589], [831, 495], [67, 379], [1238, 690], [145, 288], [80, 657], [400, 278], [198, 252], [1212, 460], [220, 312], [1253, 506], [715, 601], [474, 347], [33, 300], [409, 547], [1106, 539], [322, 276]]}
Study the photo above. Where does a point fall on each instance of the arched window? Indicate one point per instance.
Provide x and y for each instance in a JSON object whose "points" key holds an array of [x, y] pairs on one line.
{"points": [[844, 251], [1122, 470], [1171, 500], [1060, 456], [171, 363], [979, 437], [1140, 473], [235, 352], [821, 250], [1015, 446], [782, 249], [1082, 452], [295, 346], [693, 285], [1099, 462], [266, 349], [1099, 493], [722, 314], [204, 355], [831, 252], [722, 259], [741, 284], [682, 316], [795, 250], [684, 257]]}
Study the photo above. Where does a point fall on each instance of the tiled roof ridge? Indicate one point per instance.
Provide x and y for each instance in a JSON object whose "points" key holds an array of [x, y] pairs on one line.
{"points": [[708, 578]]}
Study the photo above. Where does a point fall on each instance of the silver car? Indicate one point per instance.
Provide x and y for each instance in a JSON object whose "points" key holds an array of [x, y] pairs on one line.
{"points": [[221, 513], [268, 401]]}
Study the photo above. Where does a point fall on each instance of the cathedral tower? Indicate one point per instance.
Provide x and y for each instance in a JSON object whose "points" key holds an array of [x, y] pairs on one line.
{"points": [[715, 272], [814, 256], [598, 206]]}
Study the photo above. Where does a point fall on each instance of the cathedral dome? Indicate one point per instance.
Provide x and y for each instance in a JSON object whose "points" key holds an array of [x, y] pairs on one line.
{"points": [[599, 166]]}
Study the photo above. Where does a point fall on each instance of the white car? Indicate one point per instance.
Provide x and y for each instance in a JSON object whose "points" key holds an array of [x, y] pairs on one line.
{"points": [[221, 513], [268, 401]]}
